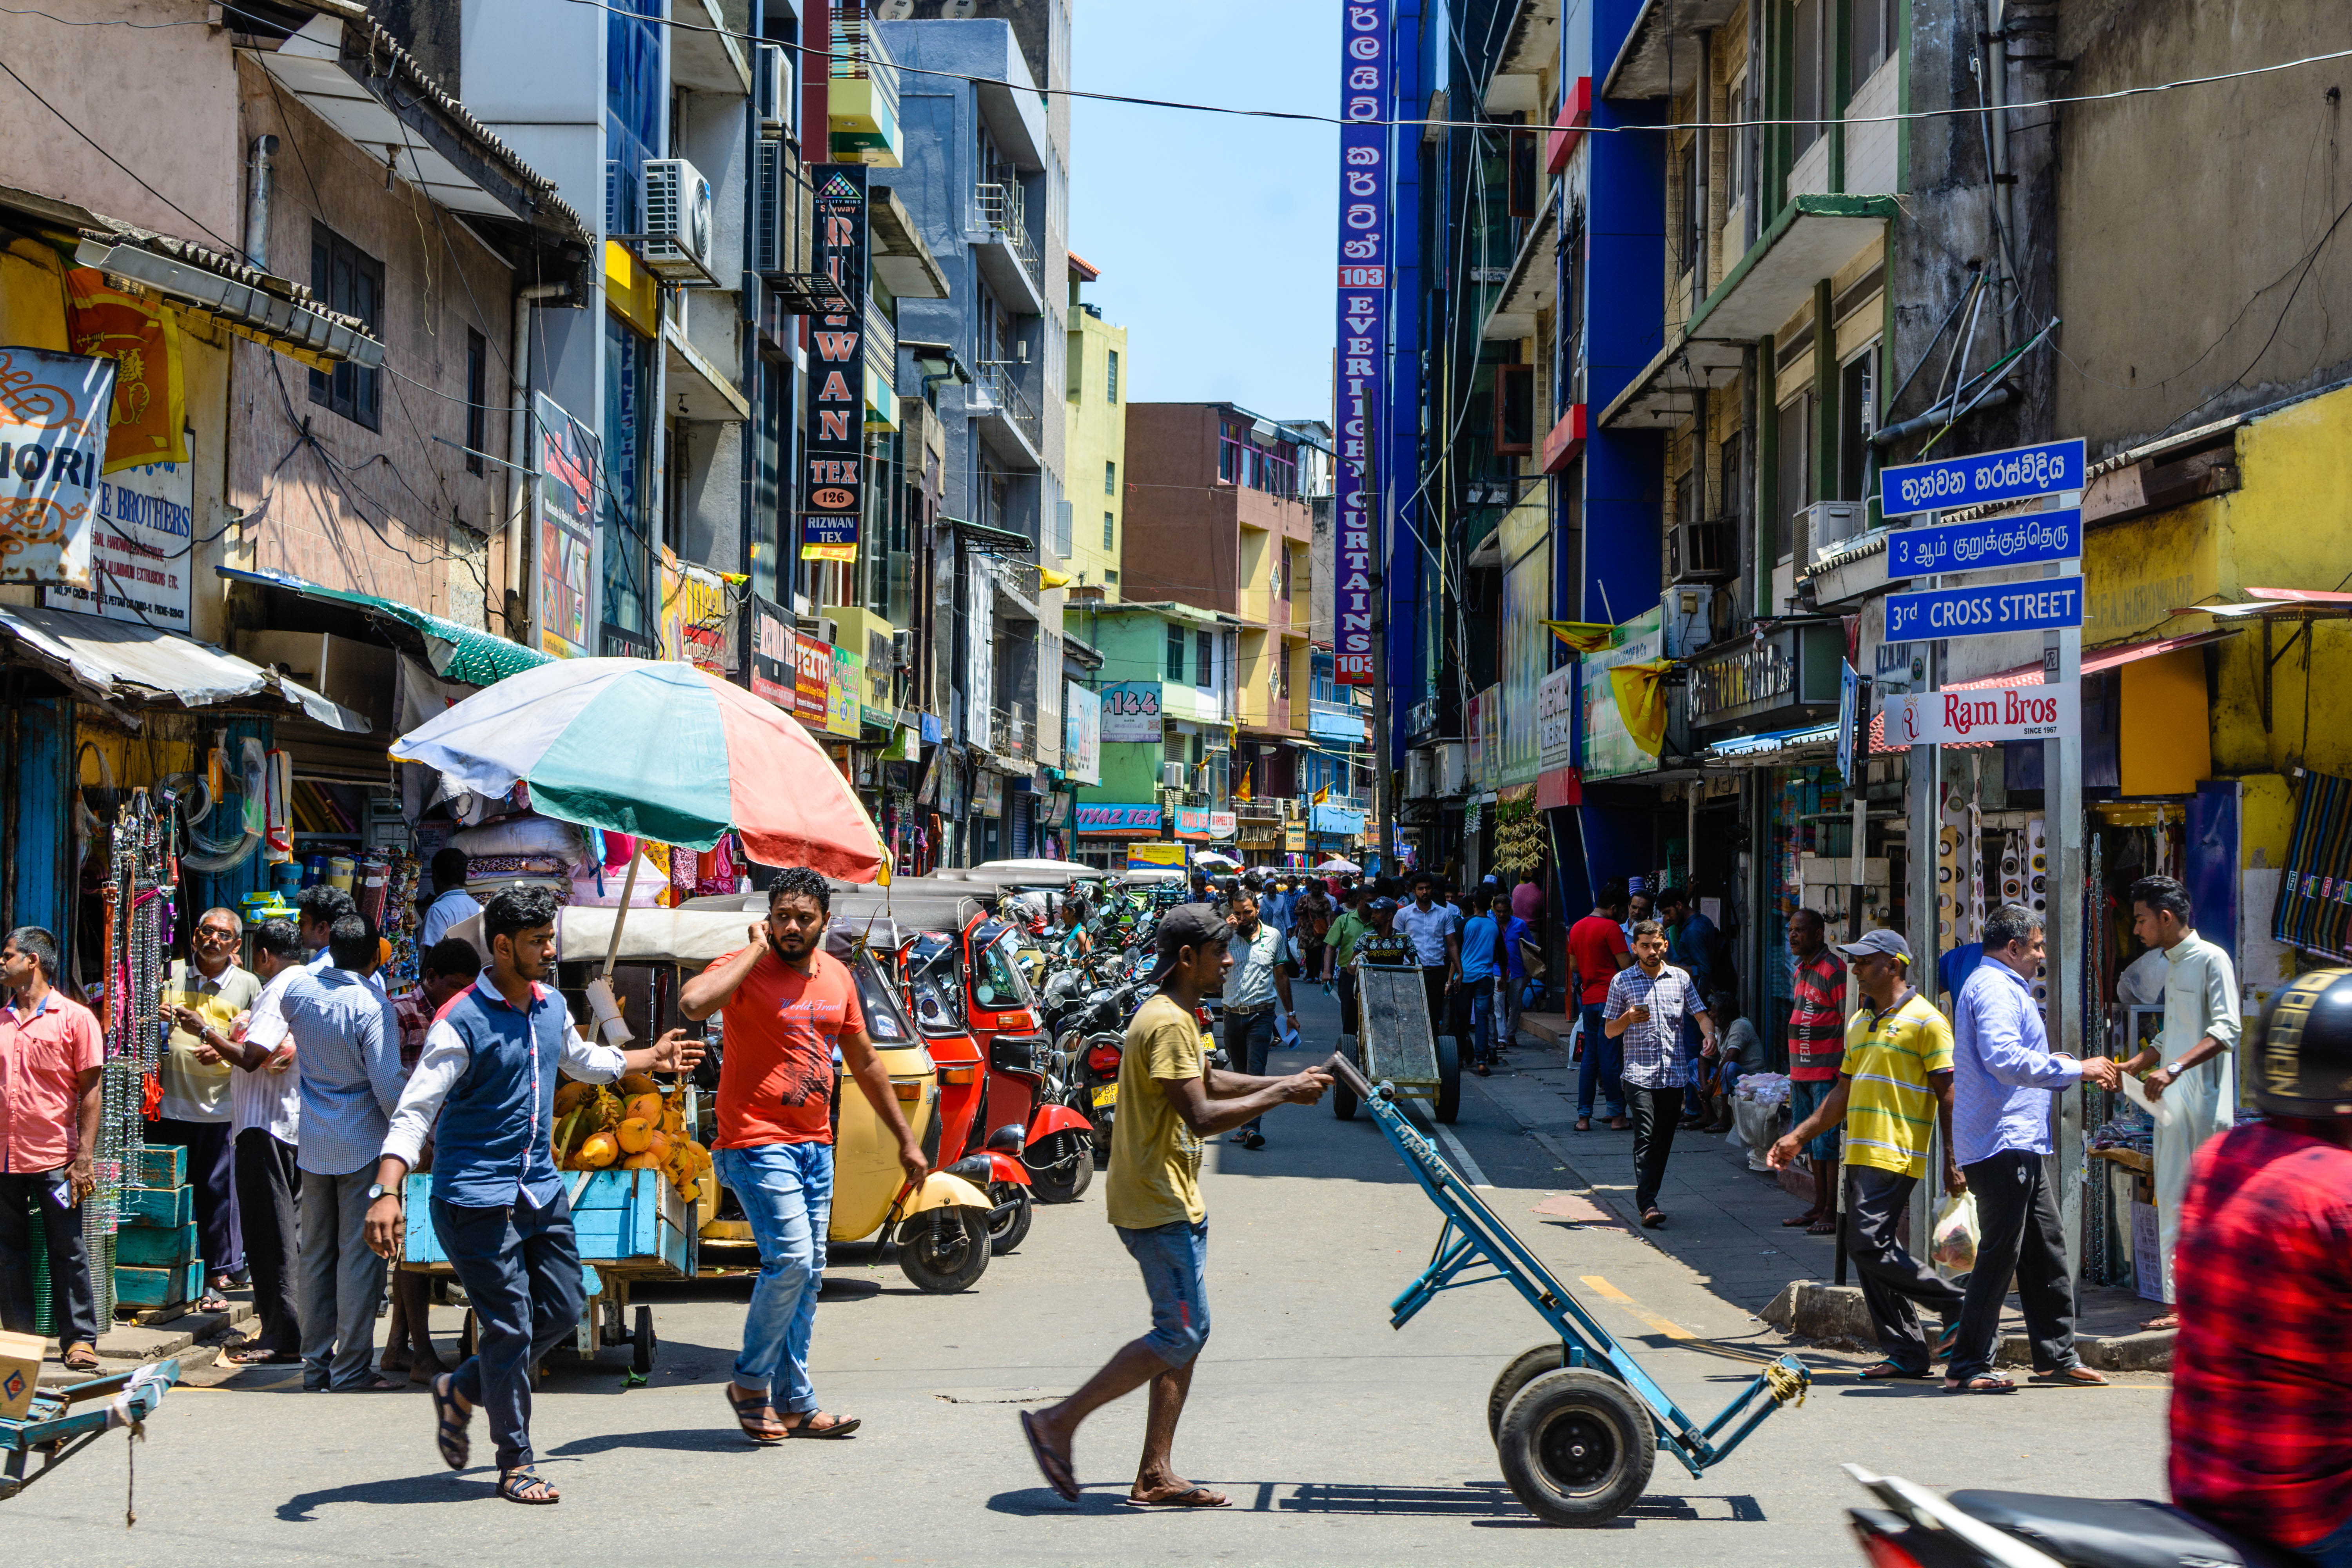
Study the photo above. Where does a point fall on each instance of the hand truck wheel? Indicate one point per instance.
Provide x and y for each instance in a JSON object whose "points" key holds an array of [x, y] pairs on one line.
{"points": [[641, 1359], [1576, 1447], [1446, 1104], [1343, 1100], [1525, 1368]]}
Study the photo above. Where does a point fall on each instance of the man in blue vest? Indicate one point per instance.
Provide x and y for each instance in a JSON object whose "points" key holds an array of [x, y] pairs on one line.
{"points": [[488, 1072]]}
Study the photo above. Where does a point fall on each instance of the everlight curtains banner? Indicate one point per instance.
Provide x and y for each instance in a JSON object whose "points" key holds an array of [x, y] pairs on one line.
{"points": [[1364, 93]]}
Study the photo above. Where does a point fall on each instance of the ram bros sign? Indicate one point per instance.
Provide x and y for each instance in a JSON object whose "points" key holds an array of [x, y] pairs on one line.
{"points": [[1979, 714]]}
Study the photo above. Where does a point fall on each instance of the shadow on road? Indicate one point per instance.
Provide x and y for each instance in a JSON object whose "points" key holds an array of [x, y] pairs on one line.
{"points": [[684, 1440], [1483, 1503], [433, 1486]]}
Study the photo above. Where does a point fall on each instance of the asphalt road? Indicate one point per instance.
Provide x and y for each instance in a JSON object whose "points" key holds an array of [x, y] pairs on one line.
{"points": [[1341, 1439]]}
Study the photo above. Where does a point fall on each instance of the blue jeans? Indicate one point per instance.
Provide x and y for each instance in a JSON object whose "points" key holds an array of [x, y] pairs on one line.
{"points": [[1604, 1060], [1248, 1036], [520, 1268], [1174, 1258], [2335, 1550], [1481, 988], [786, 1191]]}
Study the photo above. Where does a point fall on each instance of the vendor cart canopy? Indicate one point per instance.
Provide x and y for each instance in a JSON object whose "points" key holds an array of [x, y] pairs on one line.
{"points": [[118, 661]]}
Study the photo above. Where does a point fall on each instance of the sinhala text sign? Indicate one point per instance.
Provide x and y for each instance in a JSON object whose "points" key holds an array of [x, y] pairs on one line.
{"points": [[1364, 94], [2010, 712]]}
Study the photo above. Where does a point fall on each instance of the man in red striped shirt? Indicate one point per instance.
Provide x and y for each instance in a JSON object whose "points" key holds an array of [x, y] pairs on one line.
{"points": [[1816, 1051]]}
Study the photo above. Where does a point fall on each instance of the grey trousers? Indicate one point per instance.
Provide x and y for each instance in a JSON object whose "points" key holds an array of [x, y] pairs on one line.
{"points": [[342, 1281]]}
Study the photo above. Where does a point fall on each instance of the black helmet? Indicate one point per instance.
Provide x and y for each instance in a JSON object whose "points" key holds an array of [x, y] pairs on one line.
{"points": [[2304, 1065]]}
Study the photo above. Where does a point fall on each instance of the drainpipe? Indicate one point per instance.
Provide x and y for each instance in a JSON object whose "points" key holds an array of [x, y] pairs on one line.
{"points": [[257, 203], [1995, 52], [1702, 231], [519, 470]]}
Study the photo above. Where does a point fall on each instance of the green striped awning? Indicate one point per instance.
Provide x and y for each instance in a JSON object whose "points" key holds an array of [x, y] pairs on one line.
{"points": [[457, 652]]}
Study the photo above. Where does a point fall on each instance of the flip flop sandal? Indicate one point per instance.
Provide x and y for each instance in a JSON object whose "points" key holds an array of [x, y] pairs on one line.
{"points": [[81, 1358], [749, 1410], [451, 1421], [1887, 1370], [212, 1301], [1054, 1467], [1989, 1383], [1795, 1220], [1197, 1497], [527, 1485], [1652, 1218], [1947, 1341], [1822, 1227], [840, 1426], [2069, 1377], [1584, 1124]]}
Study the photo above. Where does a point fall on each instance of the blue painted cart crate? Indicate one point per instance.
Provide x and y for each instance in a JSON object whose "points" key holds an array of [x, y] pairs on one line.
{"points": [[158, 1286], [148, 1246], [169, 1208], [162, 1165]]}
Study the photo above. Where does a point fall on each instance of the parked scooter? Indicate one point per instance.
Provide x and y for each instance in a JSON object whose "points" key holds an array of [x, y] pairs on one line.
{"points": [[1918, 1528]]}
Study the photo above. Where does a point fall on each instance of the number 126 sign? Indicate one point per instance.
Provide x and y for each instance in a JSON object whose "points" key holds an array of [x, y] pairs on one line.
{"points": [[1983, 713]]}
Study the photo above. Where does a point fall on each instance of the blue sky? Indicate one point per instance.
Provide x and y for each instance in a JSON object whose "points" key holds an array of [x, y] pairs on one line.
{"points": [[1216, 234]]}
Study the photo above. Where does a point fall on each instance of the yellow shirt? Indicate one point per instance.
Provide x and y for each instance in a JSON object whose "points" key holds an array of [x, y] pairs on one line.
{"points": [[1155, 1157], [1889, 1107]]}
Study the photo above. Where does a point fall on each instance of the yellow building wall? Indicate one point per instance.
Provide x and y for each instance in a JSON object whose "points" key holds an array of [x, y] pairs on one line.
{"points": [[2164, 737], [1095, 433]]}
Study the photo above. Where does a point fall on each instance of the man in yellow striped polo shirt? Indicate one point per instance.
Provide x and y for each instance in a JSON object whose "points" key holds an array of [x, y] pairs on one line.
{"points": [[1894, 1084]]}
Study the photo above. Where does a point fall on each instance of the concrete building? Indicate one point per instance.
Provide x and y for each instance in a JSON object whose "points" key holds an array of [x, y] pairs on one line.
{"points": [[1095, 414], [1166, 685]]}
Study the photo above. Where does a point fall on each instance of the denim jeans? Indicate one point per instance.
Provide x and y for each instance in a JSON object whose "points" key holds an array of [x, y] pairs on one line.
{"points": [[1174, 1258], [1604, 1060], [786, 1191], [1481, 990], [1248, 1036]]}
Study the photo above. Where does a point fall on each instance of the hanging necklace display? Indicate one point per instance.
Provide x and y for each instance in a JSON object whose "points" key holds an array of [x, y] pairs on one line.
{"points": [[142, 914]]}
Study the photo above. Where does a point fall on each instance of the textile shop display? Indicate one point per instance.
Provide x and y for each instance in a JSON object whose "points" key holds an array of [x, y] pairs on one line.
{"points": [[2315, 899]]}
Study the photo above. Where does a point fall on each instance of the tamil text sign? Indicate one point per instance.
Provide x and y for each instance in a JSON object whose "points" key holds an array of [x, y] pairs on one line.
{"points": [[53, 414], [2048, 604], [2016, 540], [1950, 482], [1365, 92], [2009, 712]]}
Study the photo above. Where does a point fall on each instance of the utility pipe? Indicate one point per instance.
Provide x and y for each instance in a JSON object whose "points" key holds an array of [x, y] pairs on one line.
{"points": [[257, 203]]}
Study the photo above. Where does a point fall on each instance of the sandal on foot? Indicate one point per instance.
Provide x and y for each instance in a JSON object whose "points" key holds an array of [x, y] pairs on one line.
{"points": [[526, 1484], [1887, 1369], [212, 1301], [451, 1421], [1055, 1467], [1584, 1124], [757, 1417], [1988, 1383], [1192, 1497], [80, 1358], [1811, 1216], [1620, 1123], [839, 1427], [2169, 1320], [2070, 1377], [1822, 1227], [1651, 1218]]}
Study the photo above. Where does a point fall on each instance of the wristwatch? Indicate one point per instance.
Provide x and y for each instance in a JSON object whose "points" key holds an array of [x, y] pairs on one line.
{"points": [[378, 1190]]}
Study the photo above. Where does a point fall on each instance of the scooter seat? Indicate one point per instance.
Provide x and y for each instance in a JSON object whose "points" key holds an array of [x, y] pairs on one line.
{"points": [[2104, 1532]]}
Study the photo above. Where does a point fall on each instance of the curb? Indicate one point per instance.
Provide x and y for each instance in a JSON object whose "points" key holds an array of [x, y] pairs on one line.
{"points": [[1821, 1311]]}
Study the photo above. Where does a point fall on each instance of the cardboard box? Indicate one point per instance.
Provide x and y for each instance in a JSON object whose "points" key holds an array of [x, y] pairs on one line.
{"points": [[20, 1372]]}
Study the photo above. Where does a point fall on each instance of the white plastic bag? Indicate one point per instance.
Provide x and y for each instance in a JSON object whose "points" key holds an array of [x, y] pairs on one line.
{"points": [[1953, 1250]]}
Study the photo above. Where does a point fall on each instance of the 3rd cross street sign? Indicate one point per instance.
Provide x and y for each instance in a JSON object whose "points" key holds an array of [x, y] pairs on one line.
{"points": [[2047, 605], [1948, 483]]}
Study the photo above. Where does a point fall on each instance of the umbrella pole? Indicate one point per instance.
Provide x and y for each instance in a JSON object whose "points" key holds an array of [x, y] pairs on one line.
{"points": [[601, 1000], [628, 889]]}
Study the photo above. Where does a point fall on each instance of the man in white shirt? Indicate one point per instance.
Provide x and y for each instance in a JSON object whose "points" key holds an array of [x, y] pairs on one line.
{"points": [[451, 905], [1258, 978], [1436, 941]]}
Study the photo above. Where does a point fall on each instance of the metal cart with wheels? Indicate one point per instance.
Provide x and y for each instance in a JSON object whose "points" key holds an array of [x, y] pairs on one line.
{"points": [[62, 1422], [1397, 1043], [1576, 1424]]}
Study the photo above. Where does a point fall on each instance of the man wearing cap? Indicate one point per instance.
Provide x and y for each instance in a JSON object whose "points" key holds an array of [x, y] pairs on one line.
{"points": [[1646, 1008], [1170, 1099], [2003, 1074], [1897, 1066]]}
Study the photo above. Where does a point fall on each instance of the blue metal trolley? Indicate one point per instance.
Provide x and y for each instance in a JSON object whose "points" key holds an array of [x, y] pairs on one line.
{"points": [[61, 1422], [1576, 1424]]}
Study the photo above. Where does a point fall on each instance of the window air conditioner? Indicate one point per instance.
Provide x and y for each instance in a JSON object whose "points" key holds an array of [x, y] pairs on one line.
{"points": [[1418, 770], [1699, 550], [1172, 775], [1453, 764], [1825, 525], [680, 237], [771, 85]]}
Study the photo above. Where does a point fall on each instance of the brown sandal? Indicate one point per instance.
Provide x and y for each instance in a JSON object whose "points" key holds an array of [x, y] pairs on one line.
{"points": [[81, 1358]]}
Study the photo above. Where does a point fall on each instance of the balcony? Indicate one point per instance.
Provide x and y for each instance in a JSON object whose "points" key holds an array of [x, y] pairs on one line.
{"points": [[1008, 417], [1007, 257], [1014, 733], [881, 369], [862, 100], [1342, 722], [1258, 810]]}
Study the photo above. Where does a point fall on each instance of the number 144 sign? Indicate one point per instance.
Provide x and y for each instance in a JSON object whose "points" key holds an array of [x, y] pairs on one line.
{"points": [[2009, 712]]}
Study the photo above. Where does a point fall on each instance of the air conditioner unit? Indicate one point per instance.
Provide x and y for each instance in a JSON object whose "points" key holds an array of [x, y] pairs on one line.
{"points": [[1419, 770], [1172, 775], [902, 649], [1688, 619], [772, 88], [1825, 525], [1452, 761], [1700, 551], [680, 241]]}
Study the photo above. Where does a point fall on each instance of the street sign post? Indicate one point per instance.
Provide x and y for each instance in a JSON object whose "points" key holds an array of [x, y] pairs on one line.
{"points": [[1949, 484]]}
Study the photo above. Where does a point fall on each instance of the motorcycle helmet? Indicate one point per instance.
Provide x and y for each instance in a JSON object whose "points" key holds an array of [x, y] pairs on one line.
{"points": [[2302, 1061]]}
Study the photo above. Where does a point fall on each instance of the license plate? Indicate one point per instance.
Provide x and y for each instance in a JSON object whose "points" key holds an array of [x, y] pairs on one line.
{"points": [[1107, 1095]]}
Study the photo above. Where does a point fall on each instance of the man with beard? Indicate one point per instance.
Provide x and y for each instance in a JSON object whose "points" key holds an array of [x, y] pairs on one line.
{"points": [[790, 1005]]}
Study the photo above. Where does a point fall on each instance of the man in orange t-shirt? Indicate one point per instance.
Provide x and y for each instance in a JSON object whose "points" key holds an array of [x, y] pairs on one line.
{"points": [[790, 1005], [1596, 952]]}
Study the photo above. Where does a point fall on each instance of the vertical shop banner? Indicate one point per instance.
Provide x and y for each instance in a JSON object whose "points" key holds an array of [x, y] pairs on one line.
{"points": [[1131, 711], [812, 679], [53, 414], [1081, 734], [139, 549], [832, 489], [776, 656], [694, 616], [149, 420], [843, 712], [1364, 92], [563, 606]]}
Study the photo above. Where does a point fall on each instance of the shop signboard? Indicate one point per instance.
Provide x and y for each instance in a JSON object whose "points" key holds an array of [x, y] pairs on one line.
{"points": [[1130, 710], [2019, 540], [843, 712], [1753, 676], [1555, 717], [2048, 603], [2008, 710], [1081, 734], [812, 679], [1948, 484], [1224, 825], [1294, 840], [565, 456], [144, 521], [52, 444], [1159, 856], [776, 656], [988, 794], [833, 487], [1336, 821], [1193, 822], [1118, 820], [1851, 699], [1366, 88], [1609, 750]]}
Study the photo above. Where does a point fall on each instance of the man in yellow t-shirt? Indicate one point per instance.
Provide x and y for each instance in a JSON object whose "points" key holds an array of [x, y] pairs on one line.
{"points": [[1894, 1084], [1168, 1100]]}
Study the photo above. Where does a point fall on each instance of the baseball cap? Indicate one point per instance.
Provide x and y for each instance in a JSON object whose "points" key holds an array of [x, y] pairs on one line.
{"points": [[1186, 925], [1382, 906], [1879, 941]]}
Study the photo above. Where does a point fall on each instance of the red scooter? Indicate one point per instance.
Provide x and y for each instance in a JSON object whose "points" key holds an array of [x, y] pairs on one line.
{"points": [[1051, 1140]]}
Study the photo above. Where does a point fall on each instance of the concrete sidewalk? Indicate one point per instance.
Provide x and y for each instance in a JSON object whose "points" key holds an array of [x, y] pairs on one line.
{"points": [[1724, 1220]]}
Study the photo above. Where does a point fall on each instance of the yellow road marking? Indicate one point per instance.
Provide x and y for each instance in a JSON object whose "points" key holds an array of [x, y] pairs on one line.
{"points": [[1607, 1291]]}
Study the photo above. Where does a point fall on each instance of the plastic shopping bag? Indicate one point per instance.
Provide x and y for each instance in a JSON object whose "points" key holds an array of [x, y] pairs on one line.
{"points": [[1953, 1250]]}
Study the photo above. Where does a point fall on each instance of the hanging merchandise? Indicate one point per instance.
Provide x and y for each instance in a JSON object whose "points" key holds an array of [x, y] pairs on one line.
{"points": [[141, 911], [2037, 890], [277, 794], [1518, 837]]}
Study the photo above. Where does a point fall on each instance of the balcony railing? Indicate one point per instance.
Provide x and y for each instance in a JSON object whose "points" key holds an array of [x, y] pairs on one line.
{"points": [[1258, 810], [999, 207], [998, 377], [1017, 734]]}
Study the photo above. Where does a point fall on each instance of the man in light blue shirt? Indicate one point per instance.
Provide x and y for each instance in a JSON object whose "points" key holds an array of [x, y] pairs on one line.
{"points": [[1255, 983], [1481, 942], [2003, 1075]]}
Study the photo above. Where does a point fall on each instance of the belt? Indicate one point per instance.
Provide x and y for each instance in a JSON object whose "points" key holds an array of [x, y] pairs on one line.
{"points": [[1248, 1012]]}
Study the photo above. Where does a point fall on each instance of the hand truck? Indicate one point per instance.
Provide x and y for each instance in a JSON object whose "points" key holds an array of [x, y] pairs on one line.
{"points": [[62, 1422]]}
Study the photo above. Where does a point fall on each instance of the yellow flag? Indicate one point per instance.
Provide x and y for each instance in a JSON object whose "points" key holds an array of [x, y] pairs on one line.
{"points": [[1049, 578], [1323, 794], [1584, 636], [1641, 693]]}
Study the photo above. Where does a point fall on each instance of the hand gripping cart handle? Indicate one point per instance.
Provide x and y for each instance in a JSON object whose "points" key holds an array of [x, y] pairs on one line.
{"points": [[1576, 1424]]}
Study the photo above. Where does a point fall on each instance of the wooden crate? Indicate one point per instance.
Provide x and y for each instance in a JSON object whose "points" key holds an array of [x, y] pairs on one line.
{"points": [[1396, 1042], [169, 1208], [150, 1246], [162, 1165], [630, 1217], [158, 1286]]}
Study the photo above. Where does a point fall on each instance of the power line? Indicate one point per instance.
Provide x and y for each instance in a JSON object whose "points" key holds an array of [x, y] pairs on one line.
{"points": [[110, 158]]}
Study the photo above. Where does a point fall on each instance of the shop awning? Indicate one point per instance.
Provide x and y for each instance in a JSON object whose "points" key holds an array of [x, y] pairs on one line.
{"points": [[456, 653], [120, 661], [1773, 742]]}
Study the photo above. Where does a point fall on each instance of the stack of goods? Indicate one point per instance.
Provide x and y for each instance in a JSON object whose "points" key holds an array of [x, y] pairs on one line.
{"points": [[1764, 1088], [156, 1262], [523, 850], [391, 876], [630, 1126], [2130, 1130], [140, 914]]}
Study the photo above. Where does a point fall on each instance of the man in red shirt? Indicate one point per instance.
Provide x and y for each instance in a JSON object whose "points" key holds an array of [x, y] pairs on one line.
{"points": [[2260, 1380], [790, 1006], [51, 1053], [1596, 952], [1816, 1051]]}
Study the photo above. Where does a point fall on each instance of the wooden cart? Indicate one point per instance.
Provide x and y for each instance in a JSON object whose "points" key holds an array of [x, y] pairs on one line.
{"points": [[1396, 1044]]}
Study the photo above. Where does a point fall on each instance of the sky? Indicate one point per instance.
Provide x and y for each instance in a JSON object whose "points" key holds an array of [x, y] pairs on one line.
{"points": [[1216, 234]]}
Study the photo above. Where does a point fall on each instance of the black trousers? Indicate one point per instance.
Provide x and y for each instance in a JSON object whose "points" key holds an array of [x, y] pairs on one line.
{"points": [[1440, 1016], [2018, 1232], [1892, 1280], [520, 1268], [1654, 1113], [75, 1308], [212, 1167], [267, 1184]]}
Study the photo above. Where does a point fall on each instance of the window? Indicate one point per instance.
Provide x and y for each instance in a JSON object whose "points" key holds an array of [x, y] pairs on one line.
{"points": [[1872, 36], [1204, 654], [1809, 74], [477, 397], [1110, 479], [634, 102], [1111, 530], [1795, 463], [1515, 409], [1110, 377], [1526, 181], [1175, 653], [1857, 416], [348, 280]]}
